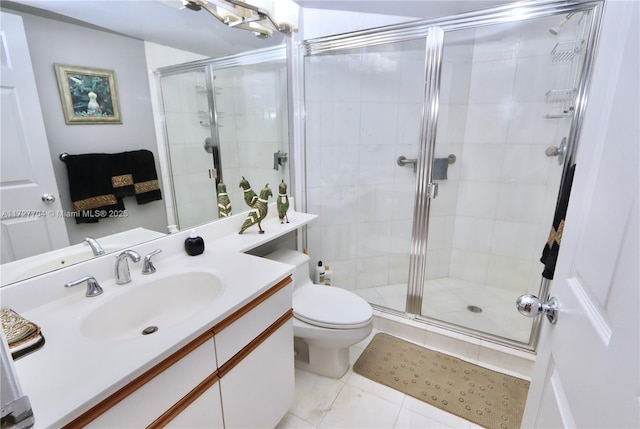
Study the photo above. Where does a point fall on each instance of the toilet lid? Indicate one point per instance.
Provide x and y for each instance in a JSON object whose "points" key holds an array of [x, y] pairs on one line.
{"points": [[330, 307]]}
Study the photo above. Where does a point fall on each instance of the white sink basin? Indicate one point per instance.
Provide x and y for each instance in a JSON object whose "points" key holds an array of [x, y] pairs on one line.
{"points": [[162, 303]]}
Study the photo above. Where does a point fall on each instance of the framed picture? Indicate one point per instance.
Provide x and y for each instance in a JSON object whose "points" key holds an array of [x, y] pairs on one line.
{"points": [[89, 95]]}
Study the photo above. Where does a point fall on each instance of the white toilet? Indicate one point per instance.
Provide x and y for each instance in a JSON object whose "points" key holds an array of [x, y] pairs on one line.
{"points": [[327, 319]]}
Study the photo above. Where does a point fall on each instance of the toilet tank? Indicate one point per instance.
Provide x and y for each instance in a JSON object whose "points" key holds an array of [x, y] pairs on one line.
{"points": [[292, 257]]}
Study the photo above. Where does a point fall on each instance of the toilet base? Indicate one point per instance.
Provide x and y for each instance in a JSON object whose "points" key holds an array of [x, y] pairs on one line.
{"points": [[332, 363]]}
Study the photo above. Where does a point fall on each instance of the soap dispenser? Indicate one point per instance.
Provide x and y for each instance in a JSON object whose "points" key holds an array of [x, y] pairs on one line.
{"points": [[194, 245]]}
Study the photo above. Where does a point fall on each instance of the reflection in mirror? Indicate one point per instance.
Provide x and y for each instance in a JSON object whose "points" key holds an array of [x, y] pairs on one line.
{"points": [[223, 124], [132, 60]]}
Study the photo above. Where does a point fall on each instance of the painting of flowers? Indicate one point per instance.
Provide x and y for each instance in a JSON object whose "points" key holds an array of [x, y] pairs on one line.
{"points": [[89, 95]]}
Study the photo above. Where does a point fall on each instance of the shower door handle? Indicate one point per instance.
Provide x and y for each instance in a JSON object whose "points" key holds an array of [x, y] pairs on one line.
{"points": [[531, 306]]}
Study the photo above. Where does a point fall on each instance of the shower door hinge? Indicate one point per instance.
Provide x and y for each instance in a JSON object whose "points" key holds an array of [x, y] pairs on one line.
{"points": [[432, 190]]}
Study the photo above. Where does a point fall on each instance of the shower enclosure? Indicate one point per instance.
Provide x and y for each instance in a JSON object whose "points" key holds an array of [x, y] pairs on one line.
{"points": [[435, 152], [224, 118]]}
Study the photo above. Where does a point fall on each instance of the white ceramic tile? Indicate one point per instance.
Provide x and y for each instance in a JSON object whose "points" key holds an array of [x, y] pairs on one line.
{"points": [[467, 265], [477, 199], [399, 268], [527, 124], [492, 81], [411, 420], [487, 123], [526, 164], [339, 242], [409, 122], [372, 271], [289, 421], [515, 239], [314, 396], [355, 408], [340, 123], [438, 262], [520, 202], [482, 162], [376, 389], [509, 273], [373, 239], [376, 203], [378, 123], [472, 234], [377, 164], [455, 81]]}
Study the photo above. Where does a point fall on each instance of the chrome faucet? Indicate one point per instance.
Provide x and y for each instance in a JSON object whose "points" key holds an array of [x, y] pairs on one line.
{"points": [[93, 288], [147, 266], [123, 275], [95, 246]]}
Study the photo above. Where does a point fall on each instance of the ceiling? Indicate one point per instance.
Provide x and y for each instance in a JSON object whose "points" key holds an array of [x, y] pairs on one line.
{"points": [[166, 23]]}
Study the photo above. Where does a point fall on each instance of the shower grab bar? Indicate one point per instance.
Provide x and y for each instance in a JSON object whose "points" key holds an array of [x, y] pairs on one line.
{"points": [[403, 160]]}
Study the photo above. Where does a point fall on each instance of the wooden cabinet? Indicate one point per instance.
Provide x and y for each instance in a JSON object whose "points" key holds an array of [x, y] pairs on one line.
{"points": [[233, 369]]}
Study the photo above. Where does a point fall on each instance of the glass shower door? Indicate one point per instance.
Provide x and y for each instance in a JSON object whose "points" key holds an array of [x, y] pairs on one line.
{"points": [[507, 98], [364, 112], [187, 123]]}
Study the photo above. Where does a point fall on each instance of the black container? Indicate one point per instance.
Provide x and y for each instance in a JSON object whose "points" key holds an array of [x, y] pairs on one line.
{"points": [[194, 245]]}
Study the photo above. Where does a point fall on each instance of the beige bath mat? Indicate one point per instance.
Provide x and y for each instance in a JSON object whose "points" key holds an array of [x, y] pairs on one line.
{"points": [[487, 398]]}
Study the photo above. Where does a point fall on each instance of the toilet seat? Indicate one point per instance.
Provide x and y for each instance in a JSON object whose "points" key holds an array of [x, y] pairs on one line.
{"points": [[330, 307]]}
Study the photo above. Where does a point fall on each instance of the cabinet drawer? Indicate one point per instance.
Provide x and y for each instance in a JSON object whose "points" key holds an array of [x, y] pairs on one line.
{"points": [[141, 402], [239, 329]]}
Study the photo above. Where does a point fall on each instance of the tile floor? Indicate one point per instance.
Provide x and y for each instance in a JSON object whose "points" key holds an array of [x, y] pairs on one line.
{"points": [[354, 401], [446, 299]]}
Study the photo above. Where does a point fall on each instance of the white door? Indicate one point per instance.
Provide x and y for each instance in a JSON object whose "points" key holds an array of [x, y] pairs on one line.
{"points": [[29, 225], [587, 374]]}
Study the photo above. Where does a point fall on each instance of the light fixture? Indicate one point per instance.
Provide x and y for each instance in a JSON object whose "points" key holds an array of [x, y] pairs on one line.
{"points": [[261, 17]]}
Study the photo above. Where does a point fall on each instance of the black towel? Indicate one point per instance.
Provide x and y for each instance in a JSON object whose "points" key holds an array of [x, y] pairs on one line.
{"points": [[551, 249], [90, 186], [145, 178]]}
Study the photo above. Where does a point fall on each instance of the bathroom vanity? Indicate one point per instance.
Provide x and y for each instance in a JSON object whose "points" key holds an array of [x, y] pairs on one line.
{"points": [[223, 344]]}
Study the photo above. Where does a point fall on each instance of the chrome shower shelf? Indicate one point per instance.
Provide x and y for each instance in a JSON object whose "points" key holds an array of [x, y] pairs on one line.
{"points": [[566, 51], [560, 95]]}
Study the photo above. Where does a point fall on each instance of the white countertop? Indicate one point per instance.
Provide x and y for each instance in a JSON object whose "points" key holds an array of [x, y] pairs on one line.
{"points": [[73, 372]]}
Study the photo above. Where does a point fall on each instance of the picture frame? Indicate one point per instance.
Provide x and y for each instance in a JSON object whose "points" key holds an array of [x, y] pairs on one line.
{"points": [[89, 95]]}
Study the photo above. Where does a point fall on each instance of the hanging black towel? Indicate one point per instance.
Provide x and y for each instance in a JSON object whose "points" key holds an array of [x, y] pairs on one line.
{"points": [[551, 249], [145, 178], [90, 187]]}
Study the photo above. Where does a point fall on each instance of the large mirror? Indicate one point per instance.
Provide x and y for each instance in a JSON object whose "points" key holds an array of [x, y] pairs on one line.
{"points": [[217, 121]]}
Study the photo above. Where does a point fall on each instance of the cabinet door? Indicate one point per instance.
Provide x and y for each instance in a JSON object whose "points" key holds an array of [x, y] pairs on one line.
{"points": [[153, 398], [204, 412], [258, 390]]}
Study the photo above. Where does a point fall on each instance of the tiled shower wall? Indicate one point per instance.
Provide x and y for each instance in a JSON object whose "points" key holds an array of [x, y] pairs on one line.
{"points": [[493, 213]]}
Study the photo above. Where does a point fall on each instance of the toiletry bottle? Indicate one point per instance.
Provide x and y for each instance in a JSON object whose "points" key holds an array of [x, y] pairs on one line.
{"points": [[327, 275], [193, 245], [319, 277]]}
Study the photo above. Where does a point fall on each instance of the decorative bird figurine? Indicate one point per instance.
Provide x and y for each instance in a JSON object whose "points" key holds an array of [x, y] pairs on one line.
{"points": [[259, 210], [283, 202], [250, 196], [224, 204]]}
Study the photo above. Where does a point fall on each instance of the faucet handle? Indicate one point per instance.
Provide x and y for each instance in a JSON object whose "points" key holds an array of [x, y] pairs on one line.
{"points": [[93, 288], [148, 267]]}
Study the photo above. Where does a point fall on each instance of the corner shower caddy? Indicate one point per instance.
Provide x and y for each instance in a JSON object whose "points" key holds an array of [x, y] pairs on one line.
{"points": [[563, 100]]}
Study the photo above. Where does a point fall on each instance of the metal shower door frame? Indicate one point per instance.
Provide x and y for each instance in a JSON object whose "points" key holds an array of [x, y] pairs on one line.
{"points": [[434, 31]]}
